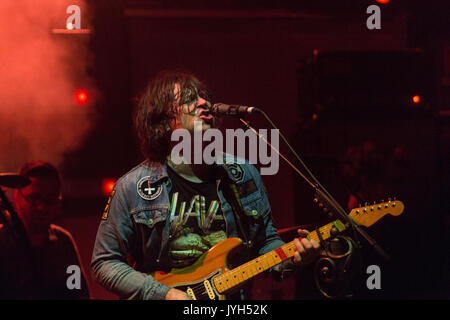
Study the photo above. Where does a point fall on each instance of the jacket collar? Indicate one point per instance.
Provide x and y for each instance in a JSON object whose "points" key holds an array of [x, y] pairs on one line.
{"points": [[158, 170]]}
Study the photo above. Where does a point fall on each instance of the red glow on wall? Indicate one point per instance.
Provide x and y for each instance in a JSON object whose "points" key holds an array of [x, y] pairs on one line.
{"points": [[81, 96], [107, 186]]}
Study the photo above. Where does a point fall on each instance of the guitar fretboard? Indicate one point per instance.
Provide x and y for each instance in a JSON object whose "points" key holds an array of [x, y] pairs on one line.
{"points": [[236, 276]]}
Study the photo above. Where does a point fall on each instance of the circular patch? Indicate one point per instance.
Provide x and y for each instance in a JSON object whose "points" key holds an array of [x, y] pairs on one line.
{"points": [[148, 191], [236, 171]]}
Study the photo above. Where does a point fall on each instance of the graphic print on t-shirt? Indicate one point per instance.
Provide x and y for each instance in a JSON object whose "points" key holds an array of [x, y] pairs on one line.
{"points": [[196, 209], [196, 219]]}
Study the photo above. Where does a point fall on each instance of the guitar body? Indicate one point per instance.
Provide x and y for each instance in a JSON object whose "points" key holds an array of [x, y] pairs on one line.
{"points": [[195, 280]]}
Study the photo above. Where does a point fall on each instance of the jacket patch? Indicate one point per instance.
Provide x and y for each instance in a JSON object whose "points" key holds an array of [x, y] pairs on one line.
{"points": [[148, 191], [237, 172], [106, 211]]}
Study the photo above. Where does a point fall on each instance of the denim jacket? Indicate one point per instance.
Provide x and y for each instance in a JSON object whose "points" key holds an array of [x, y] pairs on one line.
{"points": [[132, 225]]}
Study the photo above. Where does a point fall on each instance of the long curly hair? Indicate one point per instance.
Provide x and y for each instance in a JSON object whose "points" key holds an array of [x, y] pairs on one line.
{"points": [[156, 110]]}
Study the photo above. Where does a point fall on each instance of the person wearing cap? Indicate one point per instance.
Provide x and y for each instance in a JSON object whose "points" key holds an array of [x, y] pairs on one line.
{"points": [[49, 265]]}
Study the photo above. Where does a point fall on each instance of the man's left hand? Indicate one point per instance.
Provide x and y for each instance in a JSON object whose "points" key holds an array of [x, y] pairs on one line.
{"points": [[306, 251]]}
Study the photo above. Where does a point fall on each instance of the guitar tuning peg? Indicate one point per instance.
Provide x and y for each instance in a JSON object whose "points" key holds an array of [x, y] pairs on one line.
{"points": [[315, 200]]}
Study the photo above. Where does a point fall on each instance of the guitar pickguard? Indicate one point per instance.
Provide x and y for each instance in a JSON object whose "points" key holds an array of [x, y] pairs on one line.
{"points": [[202, 289]]}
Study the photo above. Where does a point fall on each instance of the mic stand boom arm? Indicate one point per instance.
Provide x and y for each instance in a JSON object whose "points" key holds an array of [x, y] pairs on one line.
{"points": [[323, 194]]}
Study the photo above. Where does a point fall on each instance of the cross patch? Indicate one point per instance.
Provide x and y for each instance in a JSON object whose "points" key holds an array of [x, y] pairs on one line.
{"points": [[148, 191]]}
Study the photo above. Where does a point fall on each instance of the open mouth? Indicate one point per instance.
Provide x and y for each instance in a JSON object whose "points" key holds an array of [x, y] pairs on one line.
{"points": [[205, 115]]}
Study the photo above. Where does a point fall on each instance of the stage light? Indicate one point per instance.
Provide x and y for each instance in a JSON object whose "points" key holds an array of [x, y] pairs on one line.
{"points": [[81, 96], [416, 99], [107, 186], [383, 1]]}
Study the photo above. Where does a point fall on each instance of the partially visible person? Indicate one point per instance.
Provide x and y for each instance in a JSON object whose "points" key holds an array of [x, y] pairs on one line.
{"points": [[40, 269]]}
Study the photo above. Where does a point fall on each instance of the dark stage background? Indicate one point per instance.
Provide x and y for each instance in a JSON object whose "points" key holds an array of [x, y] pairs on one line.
{"points": [[341, 94]]}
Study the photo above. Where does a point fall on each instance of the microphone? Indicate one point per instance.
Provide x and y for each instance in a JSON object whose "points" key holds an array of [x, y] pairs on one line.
{"points": [[14, 180], [225, 110]]}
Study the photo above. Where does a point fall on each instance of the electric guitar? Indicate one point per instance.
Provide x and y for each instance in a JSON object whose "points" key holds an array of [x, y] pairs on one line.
{"points": [[210, 278]]}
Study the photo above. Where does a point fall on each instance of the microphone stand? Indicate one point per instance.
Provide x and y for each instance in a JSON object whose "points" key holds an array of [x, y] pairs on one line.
{"points": [[321, 192]]}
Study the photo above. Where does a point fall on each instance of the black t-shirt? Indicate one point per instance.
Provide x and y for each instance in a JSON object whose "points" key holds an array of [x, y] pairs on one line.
{"points": [[197, 221]]}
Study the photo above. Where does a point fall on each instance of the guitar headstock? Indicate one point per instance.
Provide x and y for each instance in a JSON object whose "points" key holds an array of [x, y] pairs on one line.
{"points": [[369, 214]]}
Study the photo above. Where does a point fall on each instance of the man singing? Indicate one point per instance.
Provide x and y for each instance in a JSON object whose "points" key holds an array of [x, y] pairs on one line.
{"points": [[167, 213]]}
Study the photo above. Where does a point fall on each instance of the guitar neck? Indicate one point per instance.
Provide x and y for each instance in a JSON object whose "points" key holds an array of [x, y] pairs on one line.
{"points": [[239, 275]]}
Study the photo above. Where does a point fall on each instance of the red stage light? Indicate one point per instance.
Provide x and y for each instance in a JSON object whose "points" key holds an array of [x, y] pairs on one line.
{"points": [[383, 1], [107, 186], [416, 99], [81, 96]]}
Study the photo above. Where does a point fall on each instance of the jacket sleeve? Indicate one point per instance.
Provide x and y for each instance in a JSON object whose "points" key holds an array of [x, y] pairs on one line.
{"points": [[270, 239], [115, 237]]}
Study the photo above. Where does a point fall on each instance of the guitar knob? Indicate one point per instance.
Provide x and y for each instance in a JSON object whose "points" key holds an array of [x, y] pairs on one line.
{"points": [[324, 272]]}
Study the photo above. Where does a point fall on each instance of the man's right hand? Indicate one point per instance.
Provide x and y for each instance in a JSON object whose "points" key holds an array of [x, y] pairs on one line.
{"points": [[175, 294]]}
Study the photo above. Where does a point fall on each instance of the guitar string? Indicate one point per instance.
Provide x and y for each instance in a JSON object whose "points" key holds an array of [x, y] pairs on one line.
{"points": [[199, 289]]}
